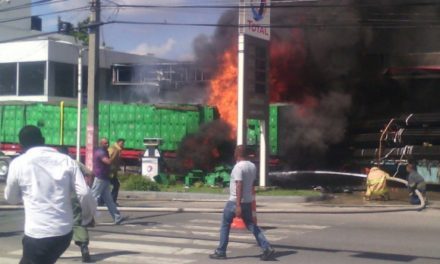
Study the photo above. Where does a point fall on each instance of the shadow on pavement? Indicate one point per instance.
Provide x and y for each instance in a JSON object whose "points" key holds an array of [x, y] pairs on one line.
{"points": [[362, 254], [102, 256], [11, 233]]}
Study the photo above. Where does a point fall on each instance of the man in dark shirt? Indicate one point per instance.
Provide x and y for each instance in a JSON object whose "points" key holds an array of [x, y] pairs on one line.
{"points": [[101, 185]]}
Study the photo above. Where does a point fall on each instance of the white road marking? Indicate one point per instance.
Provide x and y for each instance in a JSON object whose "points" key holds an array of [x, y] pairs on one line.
{"points": [[246, 235], [290, 226], [6, 260], [145, 248], [170, 240]]}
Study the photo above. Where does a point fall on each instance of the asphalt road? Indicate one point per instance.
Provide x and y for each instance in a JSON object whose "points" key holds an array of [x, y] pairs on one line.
{"points": [[166, 237]]}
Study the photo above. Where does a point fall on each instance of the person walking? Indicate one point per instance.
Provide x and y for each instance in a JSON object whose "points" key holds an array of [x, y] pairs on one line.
{"points": [[239, 204], [80, 233], [101, 185], [115, 160], [44, 180]]}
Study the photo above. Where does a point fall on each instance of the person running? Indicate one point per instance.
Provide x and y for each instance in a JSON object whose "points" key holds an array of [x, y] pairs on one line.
{"points": [[101, 185], [239, 204], [44, 180]]}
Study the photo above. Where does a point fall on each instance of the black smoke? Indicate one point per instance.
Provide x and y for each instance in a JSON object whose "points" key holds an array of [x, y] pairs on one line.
{"points": [[341, 56], [209, 147]]}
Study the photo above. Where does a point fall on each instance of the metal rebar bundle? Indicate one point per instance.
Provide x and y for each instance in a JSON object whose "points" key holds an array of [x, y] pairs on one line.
{"points": [[407, 152], [421, 120], [417, 136]]}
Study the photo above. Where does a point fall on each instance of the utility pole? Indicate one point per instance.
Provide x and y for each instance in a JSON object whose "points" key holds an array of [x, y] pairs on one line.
{"points": [[93, 82], [79, 105]]}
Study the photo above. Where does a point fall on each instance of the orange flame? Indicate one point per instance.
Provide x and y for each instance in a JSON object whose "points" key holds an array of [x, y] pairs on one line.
{"points": [[223, 92]]}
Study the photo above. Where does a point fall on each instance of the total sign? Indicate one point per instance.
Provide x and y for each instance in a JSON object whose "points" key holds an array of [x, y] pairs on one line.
{"points": [[257, 19]]}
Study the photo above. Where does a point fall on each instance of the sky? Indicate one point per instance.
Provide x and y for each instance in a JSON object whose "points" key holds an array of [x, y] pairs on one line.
{"points": [[170, 42]]}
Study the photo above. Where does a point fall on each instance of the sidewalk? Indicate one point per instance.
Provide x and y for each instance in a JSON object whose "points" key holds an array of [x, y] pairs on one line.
{"points": [[214, 203]]}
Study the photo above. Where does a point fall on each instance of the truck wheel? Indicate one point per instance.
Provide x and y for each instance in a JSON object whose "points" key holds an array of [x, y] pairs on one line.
{"points": [[4, 166]]}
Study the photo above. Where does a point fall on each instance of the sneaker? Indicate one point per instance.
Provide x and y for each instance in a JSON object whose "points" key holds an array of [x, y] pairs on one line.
{"points": [[120, 220], [267, 254], [217, 255]]}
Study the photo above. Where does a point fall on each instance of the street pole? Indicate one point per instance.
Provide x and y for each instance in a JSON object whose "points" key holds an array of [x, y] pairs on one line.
{"points": [[79, 106], [240, 79], [93, 83]]}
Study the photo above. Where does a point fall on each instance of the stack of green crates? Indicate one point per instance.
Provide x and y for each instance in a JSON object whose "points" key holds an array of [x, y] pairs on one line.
{"points": [[9, 123], [133, 122], [253, 131], [273, 129], [220, 175]]}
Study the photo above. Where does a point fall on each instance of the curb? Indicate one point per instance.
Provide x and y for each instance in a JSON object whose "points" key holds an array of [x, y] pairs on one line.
{"points": [[260, 211], [204, 197]]}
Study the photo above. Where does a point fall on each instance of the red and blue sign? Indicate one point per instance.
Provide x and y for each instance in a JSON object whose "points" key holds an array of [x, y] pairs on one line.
{"points": [[259, 11], [257, 18]]}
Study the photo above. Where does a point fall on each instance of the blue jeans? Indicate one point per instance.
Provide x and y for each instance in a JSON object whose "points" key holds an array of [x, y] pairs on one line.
{"points": [[101, 188], [246, 214]]}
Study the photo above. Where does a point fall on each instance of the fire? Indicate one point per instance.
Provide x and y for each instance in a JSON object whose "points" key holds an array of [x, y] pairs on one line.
{"points": [[287, 59], [223, 92]]}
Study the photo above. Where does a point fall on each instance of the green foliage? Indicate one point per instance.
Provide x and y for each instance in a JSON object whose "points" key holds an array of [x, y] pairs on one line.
{"points": [[136, 182], [82, 32]]}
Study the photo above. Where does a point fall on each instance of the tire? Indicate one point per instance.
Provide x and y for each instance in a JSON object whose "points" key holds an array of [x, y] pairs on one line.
{"points": [[4, 166]]}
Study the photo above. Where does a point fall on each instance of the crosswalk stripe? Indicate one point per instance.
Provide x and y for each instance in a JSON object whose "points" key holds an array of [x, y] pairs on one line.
{"points": [[131, 258], [70, 253], [148, 260], [293, 226], [245, 236], [16, 252], [268, 232], [186, 241], [6, 260], [146, 248]]}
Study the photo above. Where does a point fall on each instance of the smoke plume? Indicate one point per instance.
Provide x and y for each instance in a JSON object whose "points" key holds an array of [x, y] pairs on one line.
{"points": [[329, 64], [210, 146]]}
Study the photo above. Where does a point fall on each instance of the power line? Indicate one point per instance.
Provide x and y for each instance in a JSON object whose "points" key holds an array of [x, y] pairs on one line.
{"points": [[289, 5], [354, 24], [46, 14], [32, 4]]}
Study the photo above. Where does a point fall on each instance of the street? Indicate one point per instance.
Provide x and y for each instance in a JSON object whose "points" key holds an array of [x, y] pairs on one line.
{"points": [[164, 237]]}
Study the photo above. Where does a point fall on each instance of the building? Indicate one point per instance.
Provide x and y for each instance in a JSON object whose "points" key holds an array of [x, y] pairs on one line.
{"points": [[45, 70], [42, 67]]}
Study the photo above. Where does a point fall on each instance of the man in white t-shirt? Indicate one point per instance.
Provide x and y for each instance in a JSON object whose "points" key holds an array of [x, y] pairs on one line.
{"points": [[240, 205], [44, 180]]}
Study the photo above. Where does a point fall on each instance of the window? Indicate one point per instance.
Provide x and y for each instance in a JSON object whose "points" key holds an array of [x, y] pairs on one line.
{"points": [[8, 79], [64, 76], [32, 76]]}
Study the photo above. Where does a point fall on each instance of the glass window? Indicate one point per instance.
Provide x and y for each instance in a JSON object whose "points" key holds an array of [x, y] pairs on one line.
{"points": [[8, 79], [32, 76], [64, 75]]}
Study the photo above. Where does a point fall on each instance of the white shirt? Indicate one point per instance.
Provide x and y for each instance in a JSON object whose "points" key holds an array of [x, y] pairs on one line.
{"points": [[244, 171], [44, 180]]}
